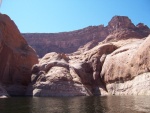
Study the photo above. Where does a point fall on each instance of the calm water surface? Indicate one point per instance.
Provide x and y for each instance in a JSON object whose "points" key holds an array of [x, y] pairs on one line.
{"points": [[109, 104]]}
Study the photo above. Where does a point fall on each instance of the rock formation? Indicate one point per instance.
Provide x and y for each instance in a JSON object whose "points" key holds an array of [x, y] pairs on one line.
{"points": [[117, 65], [120, 27], [127, 70], [65, 42], [96, 60], [118, 68], [61, 75], [16, 58]]}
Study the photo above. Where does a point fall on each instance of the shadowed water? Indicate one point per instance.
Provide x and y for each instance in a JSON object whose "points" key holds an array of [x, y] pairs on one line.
{"points": [[109, 104]]}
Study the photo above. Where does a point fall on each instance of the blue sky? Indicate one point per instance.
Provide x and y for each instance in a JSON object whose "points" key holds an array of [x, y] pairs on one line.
{"points": [[51, 16]]}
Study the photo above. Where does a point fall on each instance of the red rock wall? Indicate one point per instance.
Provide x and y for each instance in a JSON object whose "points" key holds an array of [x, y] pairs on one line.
{"points": [[120, 27], [16, 56]]}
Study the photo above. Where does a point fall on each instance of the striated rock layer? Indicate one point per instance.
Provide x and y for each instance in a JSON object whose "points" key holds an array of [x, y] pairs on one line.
{"points": [[16, 58], [120, 27], [64, 42]]}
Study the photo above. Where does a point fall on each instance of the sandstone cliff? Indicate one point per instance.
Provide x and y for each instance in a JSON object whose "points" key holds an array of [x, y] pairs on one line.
{"points": [[116, 68], [127, 70], [119, 65], [61, 75], [16, 58], [102, 60], [120, 27], [65, 42]]}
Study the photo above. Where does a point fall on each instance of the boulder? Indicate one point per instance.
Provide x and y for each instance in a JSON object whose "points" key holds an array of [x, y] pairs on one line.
{"points": [[62, 75], [54, 77], [128, 63]]}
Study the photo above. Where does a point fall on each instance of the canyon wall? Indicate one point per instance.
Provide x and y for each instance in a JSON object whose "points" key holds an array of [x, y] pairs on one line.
{"points": [[16, 58], [97, 60], [118, 65], [120, 27], [64, 42]]}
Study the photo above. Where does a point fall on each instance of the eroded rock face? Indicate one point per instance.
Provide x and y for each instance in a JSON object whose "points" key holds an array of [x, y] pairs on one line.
{"points": [[128, 63], [119, 27], [120, 65], [16, 57], [61, 75], [113, 66], [117, 64], [140, 62], [140, 85], [52, 77], [118, 68], [64, 42], [118, 22]]}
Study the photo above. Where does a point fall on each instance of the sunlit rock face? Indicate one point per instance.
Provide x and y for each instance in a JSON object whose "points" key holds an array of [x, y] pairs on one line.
{"points": [[119, 27], [63, 75], [140, 85], [116, 68], [64, 42], [16, 58], [114, 61], [53, 76], [127, 61], [126, 70], [97, 60]]}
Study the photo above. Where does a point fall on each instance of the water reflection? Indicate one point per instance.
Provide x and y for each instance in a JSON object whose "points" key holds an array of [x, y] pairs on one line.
{"points": [[127, 104], [142, 104], [15, 105], [109, 104], [67, 105]]}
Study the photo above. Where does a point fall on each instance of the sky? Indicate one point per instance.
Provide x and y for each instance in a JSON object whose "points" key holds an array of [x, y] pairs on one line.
{"points": [[51, 16]]}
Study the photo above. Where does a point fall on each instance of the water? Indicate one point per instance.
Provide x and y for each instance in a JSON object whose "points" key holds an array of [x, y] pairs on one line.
{"points": [[109, 104]]}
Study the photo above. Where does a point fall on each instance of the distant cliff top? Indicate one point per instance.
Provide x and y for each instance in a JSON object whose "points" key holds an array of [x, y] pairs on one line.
{"points": [[119, 27]]}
